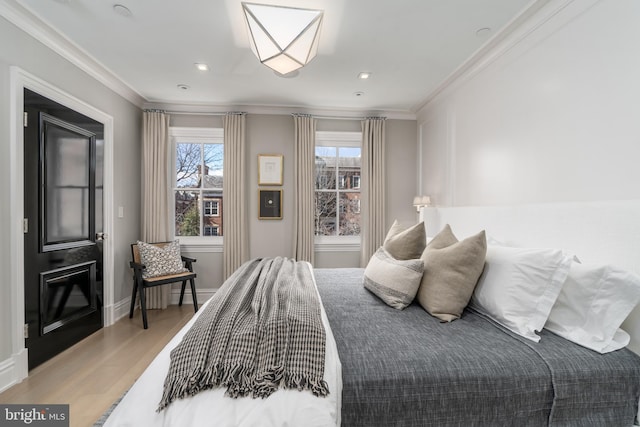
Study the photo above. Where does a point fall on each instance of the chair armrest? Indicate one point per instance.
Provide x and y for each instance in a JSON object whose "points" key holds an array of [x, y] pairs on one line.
{"points": [[188, 262], [137, 271], [136, 265]]}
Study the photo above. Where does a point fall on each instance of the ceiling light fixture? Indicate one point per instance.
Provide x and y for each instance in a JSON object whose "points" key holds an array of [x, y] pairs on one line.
{"points": [[283, 38], [183, 86], [364, 75], [201, 66]]}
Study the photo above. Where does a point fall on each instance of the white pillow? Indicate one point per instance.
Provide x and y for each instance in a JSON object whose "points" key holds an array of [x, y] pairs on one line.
{"points": [[519, 286], [592, 305]]}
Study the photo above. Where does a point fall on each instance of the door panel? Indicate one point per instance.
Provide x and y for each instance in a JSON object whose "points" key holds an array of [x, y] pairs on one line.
{"points": [[62, 260], [67, 183]]}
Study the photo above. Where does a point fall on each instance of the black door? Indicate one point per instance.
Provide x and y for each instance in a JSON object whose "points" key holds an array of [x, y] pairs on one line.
{"points": [[63, 226]]}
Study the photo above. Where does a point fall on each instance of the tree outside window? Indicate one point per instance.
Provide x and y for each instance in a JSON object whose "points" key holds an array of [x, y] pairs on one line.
{"points": [[198, 186], [337, 193]]}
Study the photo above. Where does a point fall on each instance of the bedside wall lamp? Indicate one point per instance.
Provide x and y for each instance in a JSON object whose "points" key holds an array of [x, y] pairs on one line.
{"points": [[421, 201]]}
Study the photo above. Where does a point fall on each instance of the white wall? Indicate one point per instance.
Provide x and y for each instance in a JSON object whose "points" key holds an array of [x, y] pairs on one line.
{"points": [[552, 114]]}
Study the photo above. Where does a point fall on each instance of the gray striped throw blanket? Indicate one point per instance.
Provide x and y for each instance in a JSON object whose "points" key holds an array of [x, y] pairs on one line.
{"points": [[261, 330]]}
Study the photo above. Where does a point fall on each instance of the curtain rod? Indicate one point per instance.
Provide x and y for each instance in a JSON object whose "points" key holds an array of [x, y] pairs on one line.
{"points": [[337, 117], [205, 113], [293, 114]]}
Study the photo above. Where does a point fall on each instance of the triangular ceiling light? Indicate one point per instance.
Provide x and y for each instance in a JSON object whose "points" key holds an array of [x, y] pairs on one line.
{"points": [[283, 38]]}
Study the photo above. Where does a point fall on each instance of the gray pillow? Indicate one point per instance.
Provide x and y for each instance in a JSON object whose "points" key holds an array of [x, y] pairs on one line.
{"points": [[405, 243], [451, 273], [160, 260], [394, 281]]}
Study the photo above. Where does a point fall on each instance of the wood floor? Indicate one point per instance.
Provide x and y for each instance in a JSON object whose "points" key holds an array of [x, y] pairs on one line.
{"points": [[92, 374]]}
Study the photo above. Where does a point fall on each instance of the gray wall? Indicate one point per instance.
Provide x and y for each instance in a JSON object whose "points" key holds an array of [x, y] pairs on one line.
{"points": [[273, 134], [19, 49]]}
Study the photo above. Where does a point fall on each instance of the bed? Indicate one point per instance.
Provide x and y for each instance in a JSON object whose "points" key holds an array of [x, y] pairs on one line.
{"points": [[285, 407], [405, 368], [389, 367]]}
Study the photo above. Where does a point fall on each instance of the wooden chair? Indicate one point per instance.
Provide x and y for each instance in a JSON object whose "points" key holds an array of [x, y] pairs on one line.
{"points": [[140, 283]]}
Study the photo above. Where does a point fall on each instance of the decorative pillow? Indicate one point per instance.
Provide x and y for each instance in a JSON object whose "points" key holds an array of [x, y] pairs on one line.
{"points": [[394, 281], [519, 286], [593, 303], [451, 271], [160, 261], [405, 243]]}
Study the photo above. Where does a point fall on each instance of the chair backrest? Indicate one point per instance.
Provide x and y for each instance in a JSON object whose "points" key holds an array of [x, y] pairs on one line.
{"points": [[135, 251]]}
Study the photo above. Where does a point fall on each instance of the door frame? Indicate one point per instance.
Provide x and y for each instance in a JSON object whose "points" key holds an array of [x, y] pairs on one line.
{"points": [[19, 80]]}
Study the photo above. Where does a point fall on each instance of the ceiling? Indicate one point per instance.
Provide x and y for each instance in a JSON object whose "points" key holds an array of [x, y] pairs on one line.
{"points": [[409, 46]]}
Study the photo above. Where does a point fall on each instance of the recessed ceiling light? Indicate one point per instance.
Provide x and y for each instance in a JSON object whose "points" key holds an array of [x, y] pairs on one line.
{"points": [[364, 75], [483, 32], [202, 66], [183, 87], [122, 10], [358, 93]]}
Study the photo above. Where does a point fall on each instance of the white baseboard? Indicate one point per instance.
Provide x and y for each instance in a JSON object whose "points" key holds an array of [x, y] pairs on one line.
{"points": [[202, 295], [117, 311], [121, 308], [13, 370]]}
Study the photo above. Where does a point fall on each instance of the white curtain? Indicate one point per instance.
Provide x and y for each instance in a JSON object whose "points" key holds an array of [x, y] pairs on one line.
{"points": [[373, 225], [234, 203], [303, 190], [155, 192]]}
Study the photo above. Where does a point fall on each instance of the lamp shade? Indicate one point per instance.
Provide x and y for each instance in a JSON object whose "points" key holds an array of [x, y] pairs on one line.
{"points": [[283, 38]]}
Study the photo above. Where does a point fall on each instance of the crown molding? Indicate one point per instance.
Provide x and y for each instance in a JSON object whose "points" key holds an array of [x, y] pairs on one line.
{"points": [[320, 112], [19, 15], [28, 22], [535, 14]]}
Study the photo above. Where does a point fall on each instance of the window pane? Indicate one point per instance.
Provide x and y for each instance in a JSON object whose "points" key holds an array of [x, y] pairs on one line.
{"points": [[188, 161], [325, 222], [213, 155], [326, 168], [349, 214], [349, 167], [187, 213], [212, 201]]}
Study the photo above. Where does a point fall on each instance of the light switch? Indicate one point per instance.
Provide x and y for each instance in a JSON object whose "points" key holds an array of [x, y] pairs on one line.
{"points": [[120, 211]]}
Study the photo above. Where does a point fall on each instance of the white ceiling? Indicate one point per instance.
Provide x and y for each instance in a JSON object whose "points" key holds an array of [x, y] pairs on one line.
{"points": [[410, 46]]}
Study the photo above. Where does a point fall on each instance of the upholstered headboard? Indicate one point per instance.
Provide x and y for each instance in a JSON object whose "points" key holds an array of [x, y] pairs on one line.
{"points": [[596, 232]]}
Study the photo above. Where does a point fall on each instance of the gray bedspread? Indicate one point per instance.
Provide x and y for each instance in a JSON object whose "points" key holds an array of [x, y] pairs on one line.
{"points": [[405, 368]]}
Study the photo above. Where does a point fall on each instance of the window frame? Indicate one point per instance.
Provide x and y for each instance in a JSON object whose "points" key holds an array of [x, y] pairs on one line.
{"points": [[192, 135], [338, 139]]}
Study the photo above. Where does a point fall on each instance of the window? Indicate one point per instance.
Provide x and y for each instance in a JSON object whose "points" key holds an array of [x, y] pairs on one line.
{"points": [[198, 181], [211, 230], [211, 207], [337, 188]]}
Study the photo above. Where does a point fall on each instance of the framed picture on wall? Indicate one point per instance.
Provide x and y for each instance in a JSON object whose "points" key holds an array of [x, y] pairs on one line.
{"points": [[269, 204], [270, 169]]}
